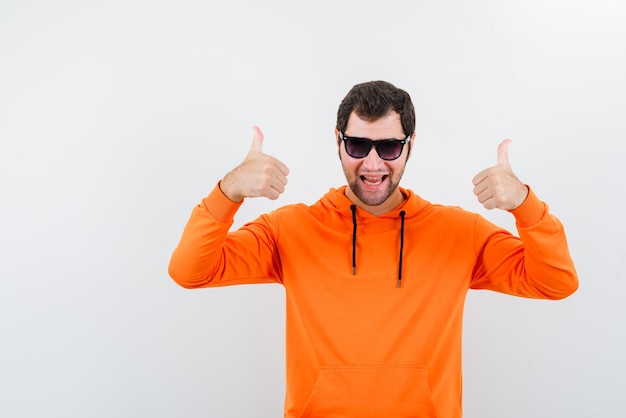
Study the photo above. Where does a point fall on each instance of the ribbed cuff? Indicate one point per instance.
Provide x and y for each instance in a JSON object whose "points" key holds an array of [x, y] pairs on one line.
{"points": [[219, 206], [530, 211]]}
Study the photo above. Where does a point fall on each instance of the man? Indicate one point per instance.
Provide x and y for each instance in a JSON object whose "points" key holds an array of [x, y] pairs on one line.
{"points": [[375, 276]]}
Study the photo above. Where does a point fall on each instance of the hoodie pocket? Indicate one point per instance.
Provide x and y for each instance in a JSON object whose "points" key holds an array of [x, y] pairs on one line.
{"points": [[371, 392]]}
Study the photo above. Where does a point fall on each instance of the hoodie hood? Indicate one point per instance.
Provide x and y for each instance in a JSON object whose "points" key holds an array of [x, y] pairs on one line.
{"points": [[336, 199], [348, 213]]}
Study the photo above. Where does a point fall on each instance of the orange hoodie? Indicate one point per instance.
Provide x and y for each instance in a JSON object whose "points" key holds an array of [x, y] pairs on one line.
{"points": [[374, 304]]}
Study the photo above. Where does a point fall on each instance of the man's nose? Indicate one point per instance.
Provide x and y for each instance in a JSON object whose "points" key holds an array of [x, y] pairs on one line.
{"points": [[372, 160]]}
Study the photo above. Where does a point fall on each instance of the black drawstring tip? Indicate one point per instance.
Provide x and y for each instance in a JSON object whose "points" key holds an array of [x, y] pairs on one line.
{"points": [[399, 283], [354, 270]]}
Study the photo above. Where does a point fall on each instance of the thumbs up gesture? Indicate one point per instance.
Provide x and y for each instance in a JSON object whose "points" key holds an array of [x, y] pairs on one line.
{"points": [[258, 175], [497, 186]]}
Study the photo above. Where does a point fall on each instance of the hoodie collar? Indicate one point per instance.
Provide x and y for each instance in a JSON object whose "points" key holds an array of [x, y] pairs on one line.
{"points": [[395, 218], [411, 205]]}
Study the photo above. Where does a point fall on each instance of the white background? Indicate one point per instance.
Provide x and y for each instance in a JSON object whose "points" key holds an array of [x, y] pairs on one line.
{"points": [[117, 117]]}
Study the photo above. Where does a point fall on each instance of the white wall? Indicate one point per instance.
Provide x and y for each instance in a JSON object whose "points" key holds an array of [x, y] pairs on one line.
{"points": [[117, 117]]}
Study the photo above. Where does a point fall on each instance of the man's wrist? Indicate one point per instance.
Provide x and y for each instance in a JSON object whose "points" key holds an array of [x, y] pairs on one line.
{"points": [[225, 186]]}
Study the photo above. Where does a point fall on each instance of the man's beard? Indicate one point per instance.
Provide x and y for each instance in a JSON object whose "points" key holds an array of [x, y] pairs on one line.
{"points": [[368, 197]]}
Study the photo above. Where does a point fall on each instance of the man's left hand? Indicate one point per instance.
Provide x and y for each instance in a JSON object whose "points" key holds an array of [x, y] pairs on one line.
{"points": [[497, 186]]}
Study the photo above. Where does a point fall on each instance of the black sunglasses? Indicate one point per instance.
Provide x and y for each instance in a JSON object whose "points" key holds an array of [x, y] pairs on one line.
{"points": [[387, 149]]}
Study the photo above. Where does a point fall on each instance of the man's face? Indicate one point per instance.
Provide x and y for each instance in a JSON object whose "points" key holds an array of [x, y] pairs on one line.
{"points": [[372, 181]]}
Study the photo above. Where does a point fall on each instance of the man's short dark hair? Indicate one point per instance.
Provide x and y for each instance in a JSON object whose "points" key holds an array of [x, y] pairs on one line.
{"points": [[373, 100]]}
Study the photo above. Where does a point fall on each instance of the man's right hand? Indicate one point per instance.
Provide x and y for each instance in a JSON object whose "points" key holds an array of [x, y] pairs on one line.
{"points": [[258, 175]]}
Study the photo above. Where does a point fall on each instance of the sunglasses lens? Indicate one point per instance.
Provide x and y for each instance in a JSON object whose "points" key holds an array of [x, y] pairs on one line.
{"points": [[357, 148], [389, 150], [386, 149]]}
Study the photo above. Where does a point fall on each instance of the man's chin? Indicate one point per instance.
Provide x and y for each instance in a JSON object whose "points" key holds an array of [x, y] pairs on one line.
{"points": [[372, 199]]}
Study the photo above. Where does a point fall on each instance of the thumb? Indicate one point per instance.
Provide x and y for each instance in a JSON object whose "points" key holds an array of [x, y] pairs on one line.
{"points": [[503, 152], [257, 140]]}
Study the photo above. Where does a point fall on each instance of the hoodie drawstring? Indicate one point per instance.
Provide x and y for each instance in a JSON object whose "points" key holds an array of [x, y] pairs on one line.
{"points": [[353, 209], [402, 214]]}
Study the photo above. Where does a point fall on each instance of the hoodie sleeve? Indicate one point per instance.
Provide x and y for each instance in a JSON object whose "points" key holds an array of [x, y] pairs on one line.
{"points": [[209, 255], [535, 265]]}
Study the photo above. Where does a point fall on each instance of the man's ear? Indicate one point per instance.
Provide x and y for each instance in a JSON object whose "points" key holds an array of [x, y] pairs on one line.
{"points": [[411, 146], [338, 142]]}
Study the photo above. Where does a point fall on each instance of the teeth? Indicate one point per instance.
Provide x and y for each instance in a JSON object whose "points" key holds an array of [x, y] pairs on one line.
{"points": [[372, 181]]}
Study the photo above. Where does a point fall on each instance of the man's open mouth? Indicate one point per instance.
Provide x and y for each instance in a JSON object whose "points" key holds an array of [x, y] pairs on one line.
{"points": [[373, 181]]}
